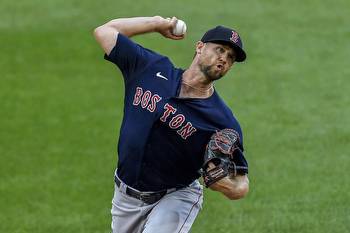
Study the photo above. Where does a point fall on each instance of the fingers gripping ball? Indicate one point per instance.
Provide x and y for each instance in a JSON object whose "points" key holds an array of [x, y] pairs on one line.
{"points": [[180, 28], [218, 157]]}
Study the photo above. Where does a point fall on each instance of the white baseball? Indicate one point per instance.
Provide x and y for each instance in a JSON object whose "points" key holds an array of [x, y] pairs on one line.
{"points": [[180, 28]]}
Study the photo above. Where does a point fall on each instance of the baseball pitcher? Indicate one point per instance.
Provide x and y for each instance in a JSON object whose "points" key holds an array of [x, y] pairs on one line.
{"points": [[175, 128]]}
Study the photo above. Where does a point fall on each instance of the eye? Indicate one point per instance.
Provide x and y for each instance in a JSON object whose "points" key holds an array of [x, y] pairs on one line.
{"points": [[220, 49]]}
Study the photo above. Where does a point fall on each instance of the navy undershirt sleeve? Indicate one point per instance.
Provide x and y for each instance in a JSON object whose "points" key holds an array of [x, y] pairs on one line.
{"points": [[241, 163]]}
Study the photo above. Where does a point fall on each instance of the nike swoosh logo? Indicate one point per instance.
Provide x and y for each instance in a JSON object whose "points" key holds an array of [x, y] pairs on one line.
{"points": [[161, 76]]}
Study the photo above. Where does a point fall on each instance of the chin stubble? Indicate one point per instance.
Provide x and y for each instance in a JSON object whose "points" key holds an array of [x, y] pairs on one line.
{"points": [[206, 70]]}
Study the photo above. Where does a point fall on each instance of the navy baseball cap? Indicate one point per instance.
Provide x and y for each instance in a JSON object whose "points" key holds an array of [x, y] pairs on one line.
{"points": [[224, 35]]}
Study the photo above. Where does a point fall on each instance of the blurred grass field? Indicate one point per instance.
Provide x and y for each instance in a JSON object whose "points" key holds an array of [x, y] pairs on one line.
{"points": [[61, 111]]}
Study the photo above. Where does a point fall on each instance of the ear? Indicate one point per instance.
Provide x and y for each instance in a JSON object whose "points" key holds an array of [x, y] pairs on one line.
{"points": [[199, 47]]}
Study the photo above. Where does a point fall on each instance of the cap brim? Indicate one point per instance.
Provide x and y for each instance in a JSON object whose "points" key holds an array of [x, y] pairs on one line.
{"points": [[240, 54]]}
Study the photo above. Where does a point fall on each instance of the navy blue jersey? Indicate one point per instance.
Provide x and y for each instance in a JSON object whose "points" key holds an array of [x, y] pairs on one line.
{"points": [[163, 137]]}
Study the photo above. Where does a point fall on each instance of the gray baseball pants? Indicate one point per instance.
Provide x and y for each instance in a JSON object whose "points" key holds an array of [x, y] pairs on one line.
{"points": [[173, 213]]}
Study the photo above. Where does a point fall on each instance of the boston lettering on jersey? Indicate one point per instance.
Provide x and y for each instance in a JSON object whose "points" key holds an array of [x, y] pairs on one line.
{"points": [[147, 100]]}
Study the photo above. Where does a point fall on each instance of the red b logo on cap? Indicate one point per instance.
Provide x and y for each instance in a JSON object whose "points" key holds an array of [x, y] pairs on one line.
{"points": [[234, 37]]}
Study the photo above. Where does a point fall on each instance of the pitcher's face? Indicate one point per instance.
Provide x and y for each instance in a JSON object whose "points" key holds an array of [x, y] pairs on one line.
{"points": [[215, 60]]}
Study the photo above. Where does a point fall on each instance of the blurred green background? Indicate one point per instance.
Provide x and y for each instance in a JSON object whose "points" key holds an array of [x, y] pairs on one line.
{"points": [[60, 112]]}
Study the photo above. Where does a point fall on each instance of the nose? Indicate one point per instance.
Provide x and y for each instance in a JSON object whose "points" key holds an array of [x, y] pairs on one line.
{"points": [[223, 58]]}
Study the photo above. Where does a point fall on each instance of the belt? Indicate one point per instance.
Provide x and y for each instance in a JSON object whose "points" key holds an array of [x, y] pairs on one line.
{"points": [[147, 197]]}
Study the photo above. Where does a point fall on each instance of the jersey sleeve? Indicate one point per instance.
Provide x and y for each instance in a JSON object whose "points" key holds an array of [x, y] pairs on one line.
{"points": [[241, 163], [239, 158], [130, 57]]}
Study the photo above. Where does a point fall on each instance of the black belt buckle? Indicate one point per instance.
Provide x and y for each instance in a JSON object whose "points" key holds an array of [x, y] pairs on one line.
{"points": [[148, 198], [151, 198]]}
